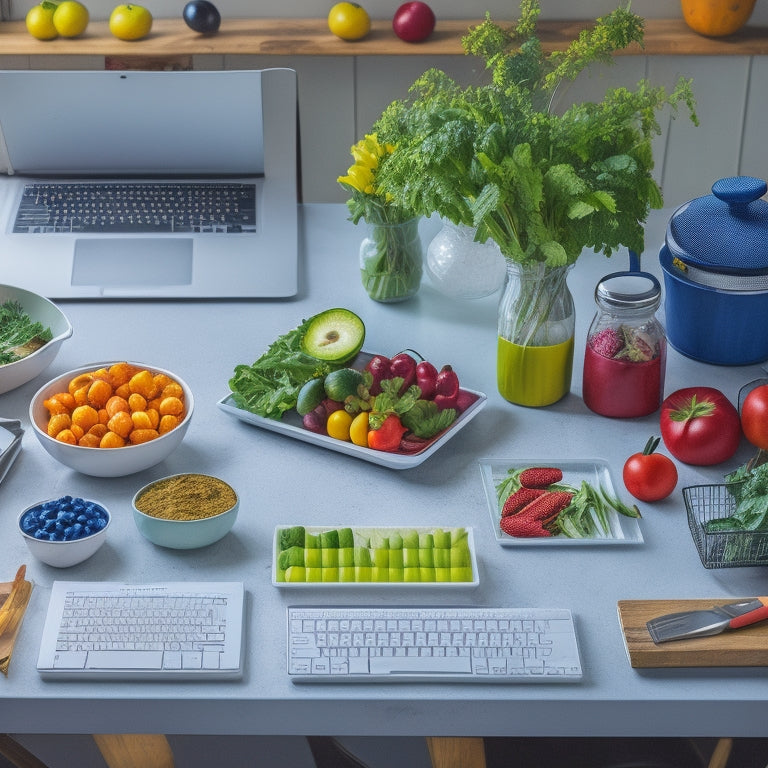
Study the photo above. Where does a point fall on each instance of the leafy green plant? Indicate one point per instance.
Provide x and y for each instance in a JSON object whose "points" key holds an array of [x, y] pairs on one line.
{"points": [[543, 186]]}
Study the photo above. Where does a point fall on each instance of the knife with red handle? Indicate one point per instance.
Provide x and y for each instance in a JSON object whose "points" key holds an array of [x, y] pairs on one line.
{"points": [[709, 621]]}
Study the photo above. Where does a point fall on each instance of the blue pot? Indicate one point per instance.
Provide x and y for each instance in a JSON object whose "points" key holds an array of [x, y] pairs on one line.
{"points": [[715, 265]]}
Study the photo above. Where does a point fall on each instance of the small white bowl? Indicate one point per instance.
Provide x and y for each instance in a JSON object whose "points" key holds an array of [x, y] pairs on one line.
{"points": [[64, 554], [39, 309], [184, 534], [107, 462]]}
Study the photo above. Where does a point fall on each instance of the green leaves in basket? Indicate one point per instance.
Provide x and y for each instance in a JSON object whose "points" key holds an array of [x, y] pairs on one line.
{"points": [[750, 489]]}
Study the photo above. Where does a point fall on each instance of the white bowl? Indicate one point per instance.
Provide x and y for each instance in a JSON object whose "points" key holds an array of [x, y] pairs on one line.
{"points": [[41, 310], [184, 534], [107, 462], [63, 554]]}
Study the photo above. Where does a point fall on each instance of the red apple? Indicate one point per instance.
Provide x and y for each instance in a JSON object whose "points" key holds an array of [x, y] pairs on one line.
{"points": [[413, 21]]}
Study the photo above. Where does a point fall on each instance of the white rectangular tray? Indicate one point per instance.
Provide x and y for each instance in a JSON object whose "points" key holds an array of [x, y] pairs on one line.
{"points": [[623, 529], [365, 532], [290, 426]]}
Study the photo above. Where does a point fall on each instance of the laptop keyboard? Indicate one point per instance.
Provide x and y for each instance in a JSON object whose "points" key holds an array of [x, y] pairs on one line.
{"points": [[141, 207]]}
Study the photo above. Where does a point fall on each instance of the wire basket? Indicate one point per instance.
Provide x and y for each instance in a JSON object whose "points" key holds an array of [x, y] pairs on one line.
{"points": [[721, 549]]}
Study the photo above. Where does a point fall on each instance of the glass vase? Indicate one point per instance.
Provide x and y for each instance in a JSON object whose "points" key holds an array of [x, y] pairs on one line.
{"points": [[462, 268], [535, 335], [391, 260]]}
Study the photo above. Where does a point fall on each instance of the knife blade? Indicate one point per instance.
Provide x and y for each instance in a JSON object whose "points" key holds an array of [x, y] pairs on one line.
{"points": [[708, 621]]}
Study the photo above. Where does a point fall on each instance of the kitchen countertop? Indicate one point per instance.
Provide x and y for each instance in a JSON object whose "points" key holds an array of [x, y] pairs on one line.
{"points": [[282, 481]]}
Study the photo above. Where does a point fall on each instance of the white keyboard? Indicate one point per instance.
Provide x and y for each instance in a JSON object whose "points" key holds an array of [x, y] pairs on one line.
{"points": [[508, 645], [170, 630]]}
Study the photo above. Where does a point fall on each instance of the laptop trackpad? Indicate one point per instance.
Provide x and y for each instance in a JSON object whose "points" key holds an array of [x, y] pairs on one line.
{"points": [[137, 261]]}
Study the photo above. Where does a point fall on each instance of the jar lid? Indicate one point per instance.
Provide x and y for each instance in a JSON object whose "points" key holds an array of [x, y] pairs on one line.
{"points": [[629, 290], [725, 232]]}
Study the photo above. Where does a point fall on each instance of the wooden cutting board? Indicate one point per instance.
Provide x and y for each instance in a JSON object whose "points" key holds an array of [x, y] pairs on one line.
{"points": [[746, 647]]}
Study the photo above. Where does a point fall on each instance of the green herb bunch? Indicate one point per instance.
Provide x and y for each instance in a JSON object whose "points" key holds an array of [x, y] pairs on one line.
{"points": [[495, 157]]}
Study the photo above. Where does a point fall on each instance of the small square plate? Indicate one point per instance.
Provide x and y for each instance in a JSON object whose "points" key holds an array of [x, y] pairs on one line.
{"points": [[366, 538], [623, 529]]}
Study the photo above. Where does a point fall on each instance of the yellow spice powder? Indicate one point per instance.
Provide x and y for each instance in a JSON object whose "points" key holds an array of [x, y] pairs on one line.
{"points": [[186, 497]]}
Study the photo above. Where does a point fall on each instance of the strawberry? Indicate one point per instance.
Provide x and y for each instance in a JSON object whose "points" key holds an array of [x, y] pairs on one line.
{"points": [[519, 499], [540, 477], [546, 507], [516, 525]]}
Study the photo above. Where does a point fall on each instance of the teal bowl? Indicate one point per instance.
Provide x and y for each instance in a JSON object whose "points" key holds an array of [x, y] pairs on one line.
{"points": [[183, 534]]}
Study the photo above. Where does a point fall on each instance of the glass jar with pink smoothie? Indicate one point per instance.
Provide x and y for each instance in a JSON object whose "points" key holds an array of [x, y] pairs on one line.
{"points": [[626, 352]]}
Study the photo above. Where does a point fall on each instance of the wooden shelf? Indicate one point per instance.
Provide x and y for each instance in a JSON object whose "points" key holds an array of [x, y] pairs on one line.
{"points": [[310, 37]]}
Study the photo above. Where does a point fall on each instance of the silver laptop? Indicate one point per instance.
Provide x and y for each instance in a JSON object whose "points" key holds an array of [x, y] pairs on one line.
{"points": [[123, 184]]}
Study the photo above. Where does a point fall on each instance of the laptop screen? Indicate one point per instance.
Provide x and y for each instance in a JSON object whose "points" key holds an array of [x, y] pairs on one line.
{"points": [[120, 123]]}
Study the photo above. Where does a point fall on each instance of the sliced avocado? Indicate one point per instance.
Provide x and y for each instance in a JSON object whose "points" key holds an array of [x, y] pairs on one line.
{"points": [[335, 335]]}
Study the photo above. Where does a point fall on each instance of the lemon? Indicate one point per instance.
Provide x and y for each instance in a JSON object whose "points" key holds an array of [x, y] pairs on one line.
{"points": [[349, 21], [70, 18], [130, 22], [39, 21]]}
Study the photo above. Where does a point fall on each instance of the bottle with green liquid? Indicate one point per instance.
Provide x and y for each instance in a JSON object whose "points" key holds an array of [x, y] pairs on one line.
{"points": [[535, 335]]}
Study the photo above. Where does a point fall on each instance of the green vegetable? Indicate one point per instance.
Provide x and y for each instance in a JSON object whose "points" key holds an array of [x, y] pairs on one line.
{"points": [[750, 489], [19, 335], [271, 386], [494, 156], [425, 419]]}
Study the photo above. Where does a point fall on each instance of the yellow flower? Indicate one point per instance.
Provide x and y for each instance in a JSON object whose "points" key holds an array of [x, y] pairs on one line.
{"points": [[359, 177]]}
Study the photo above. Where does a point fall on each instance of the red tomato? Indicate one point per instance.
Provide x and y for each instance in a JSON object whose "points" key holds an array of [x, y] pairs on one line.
{"points": [[649, 476], [754, 417], [700, 426]]}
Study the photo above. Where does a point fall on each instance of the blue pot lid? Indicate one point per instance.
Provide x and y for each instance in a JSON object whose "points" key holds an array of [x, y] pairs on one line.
{"points": [[724, 232]]}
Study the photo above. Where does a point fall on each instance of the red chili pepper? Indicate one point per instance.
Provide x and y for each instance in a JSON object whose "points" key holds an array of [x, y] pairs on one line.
{"points": [[426, 378], [387, 436]]}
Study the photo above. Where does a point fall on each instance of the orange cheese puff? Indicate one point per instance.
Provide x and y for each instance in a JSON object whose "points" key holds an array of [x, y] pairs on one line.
{"points": [[137, 402], [112, 440], [139, 436], [61, 402], [167, 423], [89, 440], [124, 391], [98, 393], [141, 420], [143, 383], [58, 422], [172, 406], [99, 430], [85, 416], [120, 373], [115, 404], [67, 436], [173, 389], [121, 424], [78, 382]]}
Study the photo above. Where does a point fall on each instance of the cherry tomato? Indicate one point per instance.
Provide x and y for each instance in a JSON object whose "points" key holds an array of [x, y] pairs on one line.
{"points": [[700, 426], [754, 417], [650, 476], [338, 425]]}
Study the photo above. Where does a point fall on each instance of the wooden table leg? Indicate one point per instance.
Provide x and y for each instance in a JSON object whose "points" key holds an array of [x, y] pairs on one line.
{"points": [[135, 750], [456, 752]]}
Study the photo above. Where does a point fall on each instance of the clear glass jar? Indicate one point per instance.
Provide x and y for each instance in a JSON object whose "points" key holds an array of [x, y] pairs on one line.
{"points": [[462, 268], [391, 260], [536, 324], [626, 351]]}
